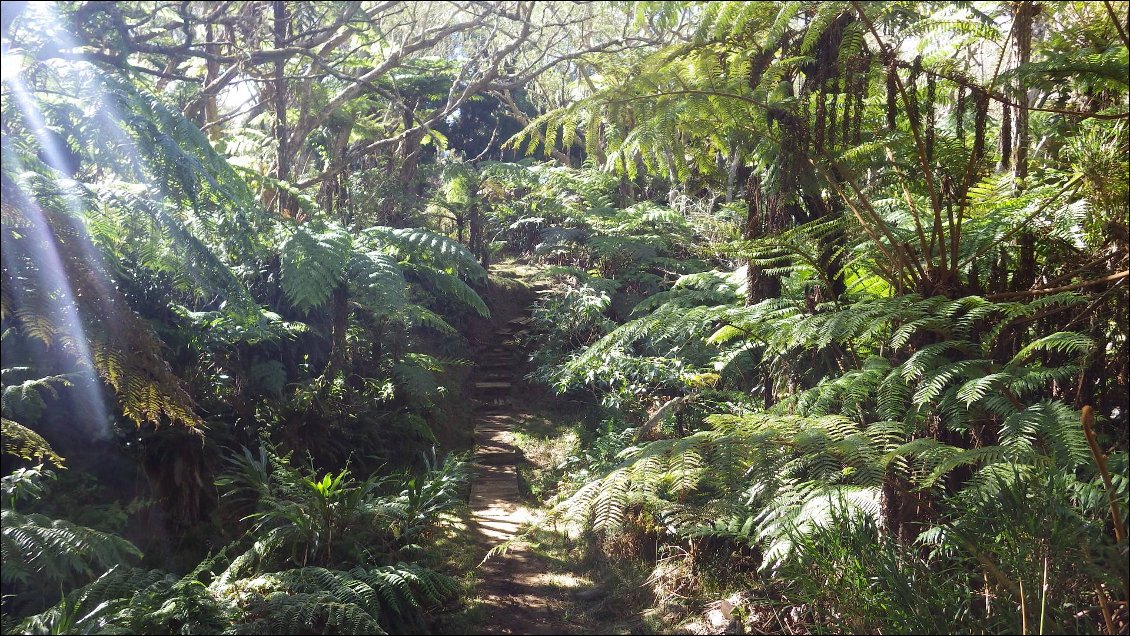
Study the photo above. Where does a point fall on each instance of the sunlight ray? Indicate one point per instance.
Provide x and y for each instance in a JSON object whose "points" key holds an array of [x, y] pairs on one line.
{"points": [[48, 270]]}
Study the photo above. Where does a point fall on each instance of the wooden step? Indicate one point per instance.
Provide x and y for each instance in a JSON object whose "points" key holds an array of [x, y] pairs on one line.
{"points": [[499, 491], [491, 478], [499, 442], [494, 440], [508, 492], [496, 357], [497, 473], [494, 461], [496, 457], [493, 385]]}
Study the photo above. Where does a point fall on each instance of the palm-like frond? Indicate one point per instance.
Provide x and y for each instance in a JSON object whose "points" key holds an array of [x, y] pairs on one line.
{"points": [[41, 549]]}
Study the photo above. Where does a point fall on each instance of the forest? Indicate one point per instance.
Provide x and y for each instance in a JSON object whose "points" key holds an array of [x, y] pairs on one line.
{"points": [[503, 316]]}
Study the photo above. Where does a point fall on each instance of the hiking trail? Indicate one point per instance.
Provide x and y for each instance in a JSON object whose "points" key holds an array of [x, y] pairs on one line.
{"points": [[516, 591]]}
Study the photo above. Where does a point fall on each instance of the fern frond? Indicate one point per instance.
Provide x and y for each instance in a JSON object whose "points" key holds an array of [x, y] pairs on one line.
{"points": [[440, 250], [313, 265], [21, 442], [52, 550], [445, 286]]}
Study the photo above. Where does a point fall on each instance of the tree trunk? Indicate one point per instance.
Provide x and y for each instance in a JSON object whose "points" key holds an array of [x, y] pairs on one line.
{"points": [[212, 71], [476, 239], [284, 201], [339, 323], [899, 508], [1005, 138], [1025, 275], [1025, 16], [402, 172], [831, 252], [762, 211]]}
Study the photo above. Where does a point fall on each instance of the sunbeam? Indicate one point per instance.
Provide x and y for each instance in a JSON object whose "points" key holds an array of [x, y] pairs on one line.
{"points": [[47, 269]]}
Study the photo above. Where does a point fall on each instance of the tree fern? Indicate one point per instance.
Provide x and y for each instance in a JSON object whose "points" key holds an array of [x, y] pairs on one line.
{"points": [[357, 602], [23, 443], [92, 319], [41, 549], [313, 264], [25, 400], [97, 606], [446, 286], [441, 250], [416, 382], [418, 316], [377, 283]]}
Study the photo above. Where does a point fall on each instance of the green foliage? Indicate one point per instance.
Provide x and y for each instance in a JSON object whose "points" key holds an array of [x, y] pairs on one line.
{"points": [[445, 285], [132, 600], [55, 550], [313, 264], [358, 601], [441, 251], [842, 277], [299, 517], [852, 430], [25, 483], [23, 443], [294, 513], [898, 346], [858, 580]]}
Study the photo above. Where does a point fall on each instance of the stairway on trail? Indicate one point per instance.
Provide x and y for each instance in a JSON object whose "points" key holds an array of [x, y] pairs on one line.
{"points": [[512, 588], [496, 484], [495, 455]]}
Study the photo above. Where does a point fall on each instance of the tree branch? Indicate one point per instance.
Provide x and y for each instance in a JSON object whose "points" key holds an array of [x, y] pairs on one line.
{"points": [[1055, 290]]}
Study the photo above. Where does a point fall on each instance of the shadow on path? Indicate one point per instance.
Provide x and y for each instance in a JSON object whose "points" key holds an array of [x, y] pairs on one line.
{"points": [[516, 590]]}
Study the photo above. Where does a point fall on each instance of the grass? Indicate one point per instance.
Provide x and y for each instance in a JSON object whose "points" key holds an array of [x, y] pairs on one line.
{"points": [[511, 268], [637, 595], [605, 600], [456, 549], [546, 448]]}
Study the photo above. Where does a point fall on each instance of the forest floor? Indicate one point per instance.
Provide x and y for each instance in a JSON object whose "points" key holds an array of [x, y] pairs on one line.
{"points": [[527, 577], [520, 589]]}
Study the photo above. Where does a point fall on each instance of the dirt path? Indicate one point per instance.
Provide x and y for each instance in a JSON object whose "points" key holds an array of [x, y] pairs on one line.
{"points": [[516, 592]]}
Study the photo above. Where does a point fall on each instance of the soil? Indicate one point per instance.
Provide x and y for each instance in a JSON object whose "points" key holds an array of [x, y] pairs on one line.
{"points": [[516, 593]]}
